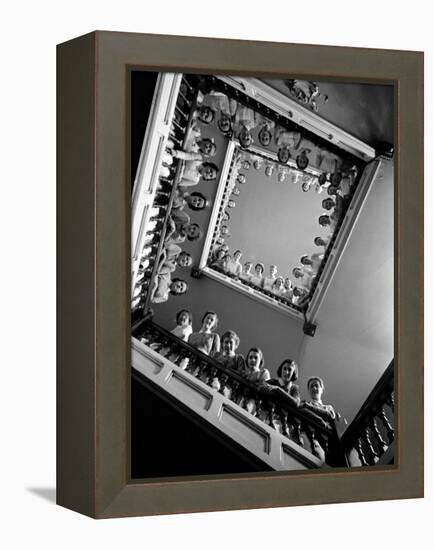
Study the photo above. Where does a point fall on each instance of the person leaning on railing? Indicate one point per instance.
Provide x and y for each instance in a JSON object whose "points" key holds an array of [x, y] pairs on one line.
{"points": [[255, 372], [195, 170], [164, 286], [234, 265], [172, 256], [246, 274], [184, 322], [254, 369], [218, 260], [283, 386], [257, 278], [325, 414], [227, 355], [206, 340]]}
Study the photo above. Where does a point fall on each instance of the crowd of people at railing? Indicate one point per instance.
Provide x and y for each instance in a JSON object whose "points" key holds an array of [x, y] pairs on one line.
{"points": [[224, 350], [337, 173], [238, 120], [187, 160], [272, 284]]}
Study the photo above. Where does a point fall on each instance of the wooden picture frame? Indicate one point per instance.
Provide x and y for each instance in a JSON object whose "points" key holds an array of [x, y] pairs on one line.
{"points": [[93, 274]]}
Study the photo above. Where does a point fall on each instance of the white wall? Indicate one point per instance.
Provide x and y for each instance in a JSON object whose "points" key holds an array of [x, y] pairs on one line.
{"points": [[354, 340]]}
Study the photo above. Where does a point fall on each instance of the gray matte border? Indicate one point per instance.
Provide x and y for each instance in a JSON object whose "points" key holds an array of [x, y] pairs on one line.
{"points": [[106, 461]]}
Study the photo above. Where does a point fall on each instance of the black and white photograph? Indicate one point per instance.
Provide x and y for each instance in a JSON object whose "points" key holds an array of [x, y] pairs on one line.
{"points": [[262, 274]]}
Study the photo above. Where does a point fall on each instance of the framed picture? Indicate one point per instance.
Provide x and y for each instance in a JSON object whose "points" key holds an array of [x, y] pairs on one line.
{"points": [[240, 274]]}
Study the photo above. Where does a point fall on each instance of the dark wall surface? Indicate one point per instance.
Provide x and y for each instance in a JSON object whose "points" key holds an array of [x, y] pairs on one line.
{"points": [[166, 443]]}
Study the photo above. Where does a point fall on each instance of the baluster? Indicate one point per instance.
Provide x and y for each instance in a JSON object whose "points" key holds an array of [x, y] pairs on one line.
{"points": [[140, 282], [156, 345], [142, 295], [151, 250], [196, 367], [155, 336], [203, 373], [182, 96], [143, 281], [163, 347], [146, 336], [173, 352], [250, 405], [142, 301], [183, 359], [241, 397], [152, 233], [174, 136], [214, 381], [166, 350], [163, 188], [181, 113], [177, 126], [323, 440], [391, 401], [382, 445], [224, 387], [259, 410], [315, 446], [152, 242], [284, 426], [373, 453], [162, 194], [193, 366], [148, 250], [298, 438], [176, 140], [161, 201], [186, 84], [254, 404], [271, 408], [235, 389], [247, 398], [389, 430], [145, 271], [359, 449]]}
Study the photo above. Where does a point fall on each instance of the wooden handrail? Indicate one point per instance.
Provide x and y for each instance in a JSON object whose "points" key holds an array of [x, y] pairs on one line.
{"points": [[267, 396], [296, 411]]}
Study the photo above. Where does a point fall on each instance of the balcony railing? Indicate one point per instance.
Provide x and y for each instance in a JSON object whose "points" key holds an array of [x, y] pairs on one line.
{"points": [[268, 293], [268, 404], [273, 105], [369, 439], [163, 201]]}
